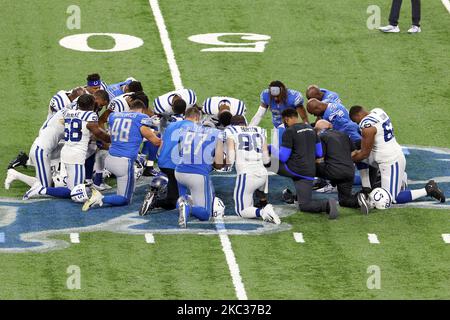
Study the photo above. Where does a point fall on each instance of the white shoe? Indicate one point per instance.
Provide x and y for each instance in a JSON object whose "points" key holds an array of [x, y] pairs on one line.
{"points": [[102, 187], [34, 191], [327, 189], [10, 177], [414, 29], [389, 29], [182, 213], [94, 200], [269, 215]]}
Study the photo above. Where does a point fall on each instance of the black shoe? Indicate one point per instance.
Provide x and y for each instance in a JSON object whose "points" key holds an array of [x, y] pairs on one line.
{"points": [[20, 160], [319, 184], [148, 204], [433, 191], [150, 172], [363, 203], [261, 199], [332, 209], [287, 196]]}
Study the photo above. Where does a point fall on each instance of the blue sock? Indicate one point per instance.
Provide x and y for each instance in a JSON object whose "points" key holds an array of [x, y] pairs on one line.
{"points": [[60, 192], [89, 166], [98, 178], [200, 213], [115, 200], [258, 213], [357, 180], [404, 197]]}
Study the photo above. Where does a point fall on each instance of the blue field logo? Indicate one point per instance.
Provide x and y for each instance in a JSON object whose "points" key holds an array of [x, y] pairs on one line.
{"points": [[31, 226]]}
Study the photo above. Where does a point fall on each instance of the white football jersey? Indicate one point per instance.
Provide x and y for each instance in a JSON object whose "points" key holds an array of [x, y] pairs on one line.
{"points": [[58, 102], [51, 132], [385, 148], [163, 104], [119, 103], [76, 135], [211, 106], [248, 144]]}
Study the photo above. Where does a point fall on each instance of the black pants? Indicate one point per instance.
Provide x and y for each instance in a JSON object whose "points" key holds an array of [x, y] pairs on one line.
{"points": [[395, 12], [303, 188], [343, 180], [170, 202]]}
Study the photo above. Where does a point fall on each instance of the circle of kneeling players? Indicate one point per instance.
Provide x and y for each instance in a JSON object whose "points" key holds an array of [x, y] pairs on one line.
{"points": [[80, 144]]}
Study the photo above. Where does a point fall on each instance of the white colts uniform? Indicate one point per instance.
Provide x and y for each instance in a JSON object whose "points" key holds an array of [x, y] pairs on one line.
{"points": [[58, 102], [46, 147], [163, 104], [77, 137], [249, 162], [119, 104], [386, 152], [211, 108]]}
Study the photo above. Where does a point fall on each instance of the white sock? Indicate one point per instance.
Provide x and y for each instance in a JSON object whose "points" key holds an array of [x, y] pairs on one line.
{"points": [[24, 178], [419, 193], [365, 178], [149, 163], [249, 213]]}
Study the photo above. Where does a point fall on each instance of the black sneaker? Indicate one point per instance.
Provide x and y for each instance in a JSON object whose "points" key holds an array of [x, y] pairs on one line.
{"points": [[20, 160], [332, 209], [287, 196], [148, 204], [363, 203], [319, 183], [150, 172], [433, 191]]}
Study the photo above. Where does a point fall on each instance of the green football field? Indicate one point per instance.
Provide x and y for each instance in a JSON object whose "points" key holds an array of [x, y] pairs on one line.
{"points": [[311, 42]]}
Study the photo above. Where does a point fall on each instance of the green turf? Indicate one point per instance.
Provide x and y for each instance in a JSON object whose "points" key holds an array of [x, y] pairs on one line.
{"points": [[313, 41]]}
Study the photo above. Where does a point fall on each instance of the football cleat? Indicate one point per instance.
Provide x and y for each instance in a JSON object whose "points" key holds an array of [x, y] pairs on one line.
{"points": [[148, 203], [433, 191], [414, 29], [269, 215], [34, 192], [183, 212], [20, 160], [363, 203], [328, 188], [10, 177], [389, 29], [319, 183], [94, 200], [332, 210], [101, 187], [150, 172], [288, 196]]}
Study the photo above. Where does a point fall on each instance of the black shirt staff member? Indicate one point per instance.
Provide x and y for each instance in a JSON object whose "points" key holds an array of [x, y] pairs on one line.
{"points": [[299, 148], [337, 164]]}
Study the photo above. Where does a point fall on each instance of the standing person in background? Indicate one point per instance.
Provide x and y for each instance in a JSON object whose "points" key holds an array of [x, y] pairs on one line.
{"points": [[392, 27]]}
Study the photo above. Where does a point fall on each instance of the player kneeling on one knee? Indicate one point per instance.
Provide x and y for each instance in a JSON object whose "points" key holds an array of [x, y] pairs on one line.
{"points": [[127, 132], [379, 145], [247, 148]]}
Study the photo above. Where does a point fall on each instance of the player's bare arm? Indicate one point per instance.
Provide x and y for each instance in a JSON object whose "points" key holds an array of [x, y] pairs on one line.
{"points": [[150, 135], [259, 114], [219, 158], [302, 113], [98, 132], [104, 118], [367, 142]]}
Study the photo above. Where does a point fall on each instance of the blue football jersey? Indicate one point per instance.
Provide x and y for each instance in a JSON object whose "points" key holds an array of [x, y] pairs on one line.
{"points": [[169, 155], [197, 149], [126, 136], [330, 96], [338, 115], [294, 99], [114, 89]]}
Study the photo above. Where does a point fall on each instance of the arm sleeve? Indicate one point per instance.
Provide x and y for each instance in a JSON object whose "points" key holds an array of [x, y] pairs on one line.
{"points": [[285, 153], [319, 151], [258, 116]]}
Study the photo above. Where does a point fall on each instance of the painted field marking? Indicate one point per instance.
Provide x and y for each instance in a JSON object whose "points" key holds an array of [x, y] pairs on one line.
{"points": [[220, 226], [373, 238], [446, 4], [446, 237], [2, 237], [298, 236], [149, 238], [75, 237]]}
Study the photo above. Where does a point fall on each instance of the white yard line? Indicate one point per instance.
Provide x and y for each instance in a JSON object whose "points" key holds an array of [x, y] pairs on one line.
{"points": [[75, 237], [298, 236], [149, 238], [220, 226], [446, 237], [446, 4], [167, 45], [373, 238]]}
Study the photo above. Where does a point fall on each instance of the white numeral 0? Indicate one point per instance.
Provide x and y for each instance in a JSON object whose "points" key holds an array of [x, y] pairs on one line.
{"points": [[258, 43]]}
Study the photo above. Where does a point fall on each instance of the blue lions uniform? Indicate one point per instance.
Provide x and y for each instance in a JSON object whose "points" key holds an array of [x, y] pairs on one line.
{"points": [[339, 117], [126, 139], [293, 100], [330, 96], [197, 149], [169, 156], [114, 89]]}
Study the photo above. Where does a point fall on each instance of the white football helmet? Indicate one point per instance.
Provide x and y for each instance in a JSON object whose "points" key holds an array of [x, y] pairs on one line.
{"points": [[80, 193], [218, 208], [380, 198], [59, 180]]}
